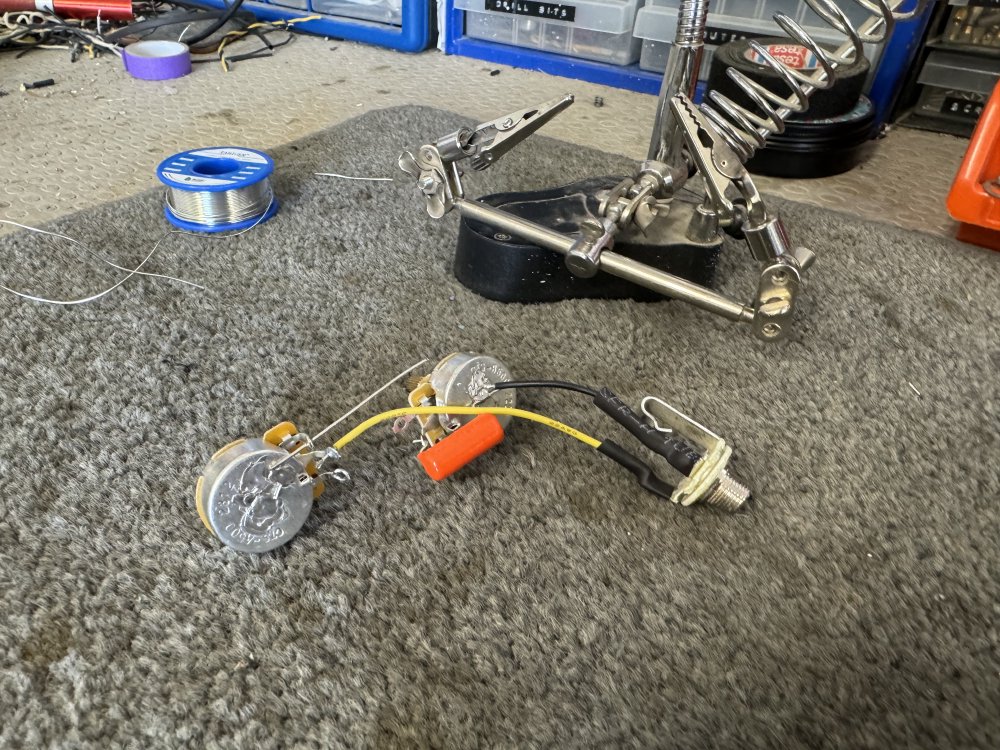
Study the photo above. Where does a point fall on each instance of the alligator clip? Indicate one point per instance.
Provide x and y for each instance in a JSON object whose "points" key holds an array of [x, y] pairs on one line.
{"points": [[491, 140], [716, 161]]}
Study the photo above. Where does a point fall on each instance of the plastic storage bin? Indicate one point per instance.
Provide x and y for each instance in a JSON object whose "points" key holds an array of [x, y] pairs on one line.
{"points": [[656, 26], [399, 24], [954, 90], [599, 30], [379, 11], [973, 27]]}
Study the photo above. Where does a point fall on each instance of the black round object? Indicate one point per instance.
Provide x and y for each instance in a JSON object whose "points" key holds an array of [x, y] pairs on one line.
{"points": [[836, 100], [819, 147]]}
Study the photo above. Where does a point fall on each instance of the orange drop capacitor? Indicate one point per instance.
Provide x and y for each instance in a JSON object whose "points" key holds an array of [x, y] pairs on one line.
{"points": [[461, 447]]}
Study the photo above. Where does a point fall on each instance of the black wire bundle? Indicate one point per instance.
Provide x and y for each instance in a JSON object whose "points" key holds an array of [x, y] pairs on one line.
{"points": [[184, 13], [219, 23], [24, 31], [29, 30]]}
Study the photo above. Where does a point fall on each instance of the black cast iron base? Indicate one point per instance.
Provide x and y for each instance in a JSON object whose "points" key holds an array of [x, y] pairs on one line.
{"points": [[500, 267]]}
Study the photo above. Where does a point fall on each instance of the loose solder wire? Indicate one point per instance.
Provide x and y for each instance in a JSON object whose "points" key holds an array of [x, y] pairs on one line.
{"points": [[129, 271], [236, 202], [349, 177], [344, 416]]}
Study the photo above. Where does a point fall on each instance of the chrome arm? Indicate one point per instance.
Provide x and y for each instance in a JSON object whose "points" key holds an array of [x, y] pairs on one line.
{"points": [[610, 262]]}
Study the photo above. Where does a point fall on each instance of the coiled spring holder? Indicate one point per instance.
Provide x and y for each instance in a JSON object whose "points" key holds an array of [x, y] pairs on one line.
{"points": [[744, 130]]}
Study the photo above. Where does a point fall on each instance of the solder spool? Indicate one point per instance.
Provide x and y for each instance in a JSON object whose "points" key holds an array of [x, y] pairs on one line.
{"points": [[220, 189]]}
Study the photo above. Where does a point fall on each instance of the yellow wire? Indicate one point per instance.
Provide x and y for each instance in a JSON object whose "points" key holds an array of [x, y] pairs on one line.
{"points": [[499, 410]]}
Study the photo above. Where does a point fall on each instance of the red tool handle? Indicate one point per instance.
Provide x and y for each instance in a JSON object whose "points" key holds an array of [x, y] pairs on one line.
{"points": [[109, 10], [462, 446]]}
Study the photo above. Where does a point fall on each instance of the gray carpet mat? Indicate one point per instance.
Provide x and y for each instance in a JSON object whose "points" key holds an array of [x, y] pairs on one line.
{"points": [[539, 598]]}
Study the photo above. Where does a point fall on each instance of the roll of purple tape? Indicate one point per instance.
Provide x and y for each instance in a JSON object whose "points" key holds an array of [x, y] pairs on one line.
{"points": [[157, 60]]}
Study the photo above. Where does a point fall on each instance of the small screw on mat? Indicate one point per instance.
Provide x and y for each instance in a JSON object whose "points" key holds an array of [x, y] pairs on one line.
{"points": [[38, 84], [598, 101]]}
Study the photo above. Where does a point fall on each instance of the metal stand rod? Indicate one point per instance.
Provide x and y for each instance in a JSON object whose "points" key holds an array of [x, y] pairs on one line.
{"points": [[526, 230], [673, 286], [680, 77], [617, 265]]}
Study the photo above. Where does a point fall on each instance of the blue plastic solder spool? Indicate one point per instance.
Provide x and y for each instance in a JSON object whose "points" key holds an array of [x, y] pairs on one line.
{"points": [[218, 170]]}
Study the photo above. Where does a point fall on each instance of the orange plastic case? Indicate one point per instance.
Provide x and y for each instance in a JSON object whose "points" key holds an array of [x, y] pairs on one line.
{"points": [[969, 202], [466, 443]]}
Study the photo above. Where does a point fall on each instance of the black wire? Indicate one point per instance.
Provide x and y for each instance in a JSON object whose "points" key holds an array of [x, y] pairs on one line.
{"points": [[674, 449], [678, 453], [265, 51], [560, 384], [162, 20], [28, 37], [644, 473], [223, 20], [692, 191]]}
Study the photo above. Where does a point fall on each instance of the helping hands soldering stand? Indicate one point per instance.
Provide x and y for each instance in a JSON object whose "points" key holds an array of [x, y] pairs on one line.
{"points": [[658, 235]]}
